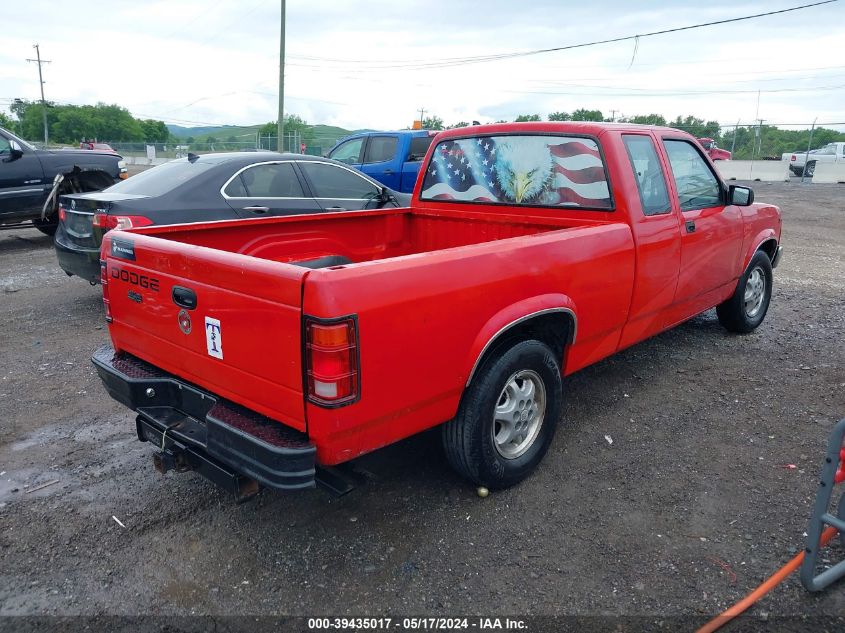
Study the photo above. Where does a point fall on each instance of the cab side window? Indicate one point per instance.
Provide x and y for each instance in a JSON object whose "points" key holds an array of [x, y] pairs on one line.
{"points": [[698, 187], [651, 184], [274, 180], [381, 149], [348, 152], [5, 146]]}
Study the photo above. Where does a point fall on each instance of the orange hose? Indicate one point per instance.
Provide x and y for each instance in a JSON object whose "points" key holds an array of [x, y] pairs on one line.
{"points": [[770, 583]]}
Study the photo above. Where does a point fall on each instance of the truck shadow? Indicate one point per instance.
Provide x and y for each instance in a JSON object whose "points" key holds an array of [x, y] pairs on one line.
{"points": [[16, 240]]}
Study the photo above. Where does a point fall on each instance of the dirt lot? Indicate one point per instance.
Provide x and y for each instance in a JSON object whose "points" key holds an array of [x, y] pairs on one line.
{"points": [[687, 510]]}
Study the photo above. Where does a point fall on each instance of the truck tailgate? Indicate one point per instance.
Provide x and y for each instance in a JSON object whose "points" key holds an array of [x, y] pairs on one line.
{"points": [[223, 321]]}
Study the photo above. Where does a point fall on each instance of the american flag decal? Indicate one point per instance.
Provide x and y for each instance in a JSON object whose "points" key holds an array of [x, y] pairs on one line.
{"points": [[532, 170]]}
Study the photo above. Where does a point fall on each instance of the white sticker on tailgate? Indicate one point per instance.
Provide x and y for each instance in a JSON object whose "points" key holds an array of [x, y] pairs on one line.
{"points": [[213, 337]]}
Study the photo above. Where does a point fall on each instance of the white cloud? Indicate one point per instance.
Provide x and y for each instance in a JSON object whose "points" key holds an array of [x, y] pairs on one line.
{"points": [[217, 62]]}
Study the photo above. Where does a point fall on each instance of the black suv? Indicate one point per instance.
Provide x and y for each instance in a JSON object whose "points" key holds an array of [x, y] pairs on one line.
{"points": [[27, 177]]}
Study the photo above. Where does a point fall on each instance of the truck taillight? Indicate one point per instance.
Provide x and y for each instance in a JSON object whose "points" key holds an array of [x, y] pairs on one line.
{"points": [[109, 222], [331, 361], [793, 157], [62, 213], [104, 282]]}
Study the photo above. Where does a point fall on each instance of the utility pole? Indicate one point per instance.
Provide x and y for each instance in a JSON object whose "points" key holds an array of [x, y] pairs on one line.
{"points": [[281, 140], [809, 145], [613, 116], [422, 113], [733, 143], [40, 61]]}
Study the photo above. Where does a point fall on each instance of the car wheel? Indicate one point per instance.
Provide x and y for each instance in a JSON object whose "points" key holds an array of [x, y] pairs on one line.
{"points": [[810, 169], [746, 309], [507, 417], [48, 227]]}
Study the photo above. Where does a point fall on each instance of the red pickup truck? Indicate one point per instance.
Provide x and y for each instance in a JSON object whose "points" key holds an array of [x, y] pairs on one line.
{"points": [[262, 352]]}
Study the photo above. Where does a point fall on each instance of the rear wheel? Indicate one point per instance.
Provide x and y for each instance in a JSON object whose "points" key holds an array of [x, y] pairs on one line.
{"points": [[48, 226], [747, 308], [810, 169], [507, 416]]}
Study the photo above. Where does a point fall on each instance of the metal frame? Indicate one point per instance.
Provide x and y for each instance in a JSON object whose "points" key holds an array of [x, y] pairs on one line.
{"points": [[834, 464]]}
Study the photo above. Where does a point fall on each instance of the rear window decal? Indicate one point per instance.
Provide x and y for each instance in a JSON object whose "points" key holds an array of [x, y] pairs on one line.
{"points": [[523, 170]]}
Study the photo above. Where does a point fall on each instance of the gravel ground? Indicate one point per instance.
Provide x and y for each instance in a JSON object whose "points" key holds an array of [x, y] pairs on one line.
{"points": [[686, 511]]}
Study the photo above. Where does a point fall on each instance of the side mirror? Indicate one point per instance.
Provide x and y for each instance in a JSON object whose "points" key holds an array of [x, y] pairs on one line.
{"points": [[15, 150], [740, 196], [384, 195]]}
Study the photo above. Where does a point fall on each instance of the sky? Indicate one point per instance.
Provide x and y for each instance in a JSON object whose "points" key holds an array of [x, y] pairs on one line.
{"points": [[375, 64]]}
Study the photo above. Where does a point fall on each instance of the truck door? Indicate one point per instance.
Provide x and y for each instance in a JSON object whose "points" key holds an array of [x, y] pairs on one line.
{"points": [[413, 160], [711, 231], [655, 228], [22, 187], [382, 160]]}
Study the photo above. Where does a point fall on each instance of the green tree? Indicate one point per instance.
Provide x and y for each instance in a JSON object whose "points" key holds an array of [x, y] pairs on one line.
{"points": [[293, 123], [559, 116], [646, 119], [70, 124], [155, 131], [527, 117], [582, 114], [459, 124], [6, 121], [697, 127], [433, 122]]}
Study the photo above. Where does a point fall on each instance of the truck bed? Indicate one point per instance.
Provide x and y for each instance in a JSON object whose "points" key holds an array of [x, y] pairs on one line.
{"points": [[355, 237]]}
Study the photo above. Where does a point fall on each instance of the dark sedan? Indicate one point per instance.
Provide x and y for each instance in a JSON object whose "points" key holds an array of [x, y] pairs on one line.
{"points": [[211, 187]]}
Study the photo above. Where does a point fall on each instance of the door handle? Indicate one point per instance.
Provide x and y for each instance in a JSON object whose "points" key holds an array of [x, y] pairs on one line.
{"points": [[336, 209], [690, 226], [257, 209], [388, 171], [184, 297]]}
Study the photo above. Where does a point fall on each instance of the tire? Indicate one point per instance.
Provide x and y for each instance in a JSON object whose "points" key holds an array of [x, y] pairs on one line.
{"points": [[483, 449], [810, 169], [47, 227], [747, 308]]}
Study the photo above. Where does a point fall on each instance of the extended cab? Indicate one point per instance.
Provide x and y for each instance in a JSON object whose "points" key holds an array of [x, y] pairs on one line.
{"points": [[392, 158], [830, 153], [260, 352], [31, 179]]}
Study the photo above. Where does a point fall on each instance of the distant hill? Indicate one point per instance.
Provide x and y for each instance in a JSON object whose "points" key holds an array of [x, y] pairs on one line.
{"points": [[219, 131]]}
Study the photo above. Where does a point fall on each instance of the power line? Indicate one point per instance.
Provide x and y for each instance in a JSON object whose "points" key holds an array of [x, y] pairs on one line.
{"points": [[459, 61], [645, 92]]}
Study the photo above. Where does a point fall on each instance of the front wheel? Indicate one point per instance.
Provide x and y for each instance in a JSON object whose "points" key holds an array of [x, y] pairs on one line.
{"points": [[747, 308], [507, 417]]}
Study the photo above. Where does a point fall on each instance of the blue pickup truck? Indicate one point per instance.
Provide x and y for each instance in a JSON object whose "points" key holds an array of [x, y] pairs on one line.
{"points": [[392, 158]]}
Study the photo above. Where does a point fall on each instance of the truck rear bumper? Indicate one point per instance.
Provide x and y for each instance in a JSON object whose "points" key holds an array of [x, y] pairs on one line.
{"points": [[196, 430]]}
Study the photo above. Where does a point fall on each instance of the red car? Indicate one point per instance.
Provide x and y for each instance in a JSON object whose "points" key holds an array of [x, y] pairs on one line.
{"points": [[259, 352], [94, 145], [713, 151]]}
